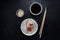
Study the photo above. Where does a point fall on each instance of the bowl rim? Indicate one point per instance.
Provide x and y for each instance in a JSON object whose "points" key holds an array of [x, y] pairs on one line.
{"points": [[38, 4]]}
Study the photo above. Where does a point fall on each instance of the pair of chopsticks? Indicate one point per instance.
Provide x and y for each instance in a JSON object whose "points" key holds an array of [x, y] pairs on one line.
{"points": [[42, 24]]}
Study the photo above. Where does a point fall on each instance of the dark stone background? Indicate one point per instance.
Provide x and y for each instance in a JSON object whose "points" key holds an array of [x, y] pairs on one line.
{"points": [[10, 23]]}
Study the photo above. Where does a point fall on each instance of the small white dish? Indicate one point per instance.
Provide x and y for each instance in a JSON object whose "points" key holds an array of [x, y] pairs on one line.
{"points": [[20, 13]]}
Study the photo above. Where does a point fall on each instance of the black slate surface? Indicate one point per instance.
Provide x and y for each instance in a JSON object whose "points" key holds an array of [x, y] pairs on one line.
{"points": [[10, 23]]}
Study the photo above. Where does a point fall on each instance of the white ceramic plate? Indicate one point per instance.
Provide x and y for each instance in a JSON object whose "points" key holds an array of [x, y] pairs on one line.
{"points": [[24, 27]]}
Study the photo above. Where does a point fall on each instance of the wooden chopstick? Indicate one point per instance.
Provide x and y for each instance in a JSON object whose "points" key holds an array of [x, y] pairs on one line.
{"points": [[42, 24]]}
